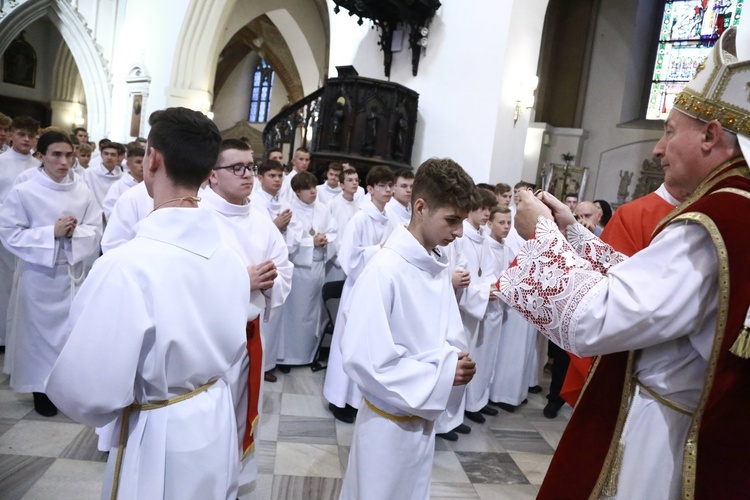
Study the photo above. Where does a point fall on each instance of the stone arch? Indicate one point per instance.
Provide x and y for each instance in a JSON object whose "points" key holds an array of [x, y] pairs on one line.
{"points": [[66, 79], [217, 21], [91, 63]]}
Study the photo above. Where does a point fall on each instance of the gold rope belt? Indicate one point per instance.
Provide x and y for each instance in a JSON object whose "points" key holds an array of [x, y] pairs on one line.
{"points": [[396, 418], [145, 407], [661, 399]]}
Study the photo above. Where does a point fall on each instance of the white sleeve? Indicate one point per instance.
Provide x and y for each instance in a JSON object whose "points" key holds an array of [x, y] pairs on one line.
{"points": [[36, 245]]}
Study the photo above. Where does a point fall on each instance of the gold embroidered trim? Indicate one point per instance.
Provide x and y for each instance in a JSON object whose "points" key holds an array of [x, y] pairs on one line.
{"points": [[609, 467], [690, 455], [731, 117], [395, 418], [126, 421]]}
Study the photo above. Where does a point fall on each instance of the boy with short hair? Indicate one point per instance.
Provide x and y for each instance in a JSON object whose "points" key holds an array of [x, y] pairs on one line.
{"points": [[133, 176], [343, 207], [363, 238], [158, 330], [471, 252], [101, 177], [308, 235], [503, 194], [268, 199], [331, 187], [84, 155], [12, 162], [399, 208], [404, 345]]}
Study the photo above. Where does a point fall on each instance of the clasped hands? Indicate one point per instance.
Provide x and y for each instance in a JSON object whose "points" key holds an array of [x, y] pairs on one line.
{"points": [[543, 204]]}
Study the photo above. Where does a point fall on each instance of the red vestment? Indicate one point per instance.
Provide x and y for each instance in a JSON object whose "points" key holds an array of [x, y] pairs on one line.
{"points": [[254, 377], [718, 431]]}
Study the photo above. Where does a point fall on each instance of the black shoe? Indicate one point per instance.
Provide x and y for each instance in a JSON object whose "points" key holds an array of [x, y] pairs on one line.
{"points": [[448, 436], [505, 407], [536, 389], [550, 411], [487, 410], [284, 368], [43, 405], [269, 376], [475, 416], [341, 414], [462, 429], [525, 401], [351, 411]]}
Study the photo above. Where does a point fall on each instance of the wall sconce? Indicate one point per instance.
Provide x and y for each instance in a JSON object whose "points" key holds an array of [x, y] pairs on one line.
{"points": [[78, 119], [526, 96]]}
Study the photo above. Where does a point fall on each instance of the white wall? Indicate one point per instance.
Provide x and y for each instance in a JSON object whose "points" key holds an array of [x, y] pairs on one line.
{"points": [[144, 38], [467, 80], [232, 103], [609, 98]]}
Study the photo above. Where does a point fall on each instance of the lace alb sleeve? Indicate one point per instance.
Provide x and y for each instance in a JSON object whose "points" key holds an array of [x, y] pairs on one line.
{"points": [[550, 281], [601, 255]]}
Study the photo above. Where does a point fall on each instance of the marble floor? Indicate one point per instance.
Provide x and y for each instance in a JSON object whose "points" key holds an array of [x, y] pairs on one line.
{"points": [[301, 451]]}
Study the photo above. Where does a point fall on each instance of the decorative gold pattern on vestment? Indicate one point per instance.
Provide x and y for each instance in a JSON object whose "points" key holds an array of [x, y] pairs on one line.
{"points": [[395, 418], [610, 467], [690, 454], [126, 421]]}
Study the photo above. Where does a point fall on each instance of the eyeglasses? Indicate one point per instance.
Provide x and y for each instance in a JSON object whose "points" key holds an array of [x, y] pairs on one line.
{"points": [[240, 169]]}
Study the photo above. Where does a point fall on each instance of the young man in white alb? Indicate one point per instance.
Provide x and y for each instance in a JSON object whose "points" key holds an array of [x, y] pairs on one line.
{"points": [[262, 248], [332, 186], [399, 208], [158, 330], [52, 224], [133, 176], [300, 163], [13, 162], [363, 238], [403, 343], [101, 177]]}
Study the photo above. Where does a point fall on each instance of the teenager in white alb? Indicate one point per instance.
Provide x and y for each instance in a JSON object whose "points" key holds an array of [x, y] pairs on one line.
{"points": [[363, 238], [12, 162], [342, 207], [133, 176], [101, 177], [399, 208], [403, 343], [51, 223], [332, 186], [158, 330], [300, 163], [472, 253], [266, 200], [310, 232]]}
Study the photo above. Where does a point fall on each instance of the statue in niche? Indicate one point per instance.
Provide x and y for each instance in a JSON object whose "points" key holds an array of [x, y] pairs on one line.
{"points": [[371, 130], [336, 118], [622, 190], [401, 128]]}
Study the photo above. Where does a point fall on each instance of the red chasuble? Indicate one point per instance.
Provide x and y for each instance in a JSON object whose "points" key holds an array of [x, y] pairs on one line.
{"points": [[717, 448], [629, 231], [254, 377]]}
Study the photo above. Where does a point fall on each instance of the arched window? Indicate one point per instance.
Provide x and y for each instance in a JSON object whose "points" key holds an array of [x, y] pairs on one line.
{"points": [[689, 29], [260, 98]]}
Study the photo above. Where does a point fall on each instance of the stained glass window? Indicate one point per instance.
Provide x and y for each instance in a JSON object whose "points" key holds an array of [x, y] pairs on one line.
{"points": [[689, 29], [260, 96]]}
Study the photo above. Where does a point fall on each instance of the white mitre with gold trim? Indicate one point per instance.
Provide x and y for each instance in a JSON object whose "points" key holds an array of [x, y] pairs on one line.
{"points": [[720, 89]]}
